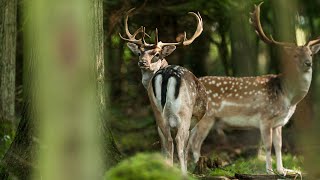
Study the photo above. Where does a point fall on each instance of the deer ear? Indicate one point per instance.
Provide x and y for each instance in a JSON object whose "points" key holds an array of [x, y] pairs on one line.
{"points": [[167, 50], [315, 48], [133, 47]]}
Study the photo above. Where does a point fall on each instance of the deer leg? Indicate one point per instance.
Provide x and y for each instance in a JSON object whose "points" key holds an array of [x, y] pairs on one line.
{"points": [[162, 140], [164, 134], [266, 135], [168, 145], [165, 138], [198, 135], [277, 143], [181, 142]]}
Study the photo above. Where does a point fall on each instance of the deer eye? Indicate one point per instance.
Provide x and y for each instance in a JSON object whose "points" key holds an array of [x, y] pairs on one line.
{"points": [[157, 55], [139, 53]]}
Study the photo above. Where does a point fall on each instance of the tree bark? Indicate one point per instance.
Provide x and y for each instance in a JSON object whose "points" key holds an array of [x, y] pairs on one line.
{"points": [[243, 46], [17, 162], [8, 37], [111, 152]]}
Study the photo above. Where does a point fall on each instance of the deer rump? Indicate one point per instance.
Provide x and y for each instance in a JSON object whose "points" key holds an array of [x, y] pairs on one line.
{"points": [[174, 93], [166, 85]]}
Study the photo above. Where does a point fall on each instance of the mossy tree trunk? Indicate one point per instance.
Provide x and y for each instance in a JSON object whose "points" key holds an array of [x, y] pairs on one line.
{"points": [[17, 162], [110, 150], [8, 38]]}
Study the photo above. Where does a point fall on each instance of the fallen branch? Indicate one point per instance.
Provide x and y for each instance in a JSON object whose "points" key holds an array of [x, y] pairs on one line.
{"points": [[266, 176]]}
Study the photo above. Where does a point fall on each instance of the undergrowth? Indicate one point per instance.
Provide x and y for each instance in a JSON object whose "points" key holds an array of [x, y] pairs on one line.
{"points": [[256, 166]]}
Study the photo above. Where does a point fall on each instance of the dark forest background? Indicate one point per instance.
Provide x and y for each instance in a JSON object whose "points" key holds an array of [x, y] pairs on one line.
{"points": [[228, 46]]}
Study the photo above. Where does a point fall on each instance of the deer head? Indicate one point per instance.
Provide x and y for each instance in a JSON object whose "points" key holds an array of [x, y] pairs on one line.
{"points": [[297, 61], [152, 55], [299, 57]]}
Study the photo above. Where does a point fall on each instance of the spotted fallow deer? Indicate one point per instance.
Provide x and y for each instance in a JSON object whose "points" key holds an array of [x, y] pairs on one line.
{"points": [[264, 102], [174, 92]]}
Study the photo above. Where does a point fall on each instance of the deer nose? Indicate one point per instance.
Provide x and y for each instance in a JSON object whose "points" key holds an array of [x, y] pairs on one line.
{"points": [[142, 63], [308, 64]]}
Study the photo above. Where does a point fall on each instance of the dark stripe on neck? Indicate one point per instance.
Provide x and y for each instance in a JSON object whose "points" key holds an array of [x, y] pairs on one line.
{"points": [[166, 73], [153, 85]]}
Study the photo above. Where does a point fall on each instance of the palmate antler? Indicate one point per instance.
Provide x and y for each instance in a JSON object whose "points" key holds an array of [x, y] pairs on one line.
{"points": [[141, 42], [255, 22]]}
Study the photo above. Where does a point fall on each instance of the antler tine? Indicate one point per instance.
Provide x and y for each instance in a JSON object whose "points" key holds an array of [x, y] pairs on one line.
{"points": [[314, 42], [197, 33], [255, 22], [198, 30], [143, 37], [131, 37], [126, 23], [137, 32], [156, 38]]}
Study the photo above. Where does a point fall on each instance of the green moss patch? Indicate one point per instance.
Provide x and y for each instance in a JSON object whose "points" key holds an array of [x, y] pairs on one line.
{"points": [[144, 167]]}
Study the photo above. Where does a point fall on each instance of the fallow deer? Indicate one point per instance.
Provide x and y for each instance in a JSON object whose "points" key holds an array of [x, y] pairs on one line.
{"points": [[264, 102], [174, 92]]}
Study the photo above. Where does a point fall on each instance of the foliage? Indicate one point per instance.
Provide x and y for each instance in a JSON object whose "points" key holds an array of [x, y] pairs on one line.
{"points": [[144, 167], [5, 142], [257, 166], [6, 134], [127, 131]]}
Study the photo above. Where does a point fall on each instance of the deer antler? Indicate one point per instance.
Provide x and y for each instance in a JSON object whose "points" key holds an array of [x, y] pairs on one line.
{"points": [[142, 42], [255, 22], [314, 42], [186, 41], [132, 37]]}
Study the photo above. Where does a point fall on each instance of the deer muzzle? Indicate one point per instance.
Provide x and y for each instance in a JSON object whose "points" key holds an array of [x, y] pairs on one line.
{"points": [[143, 64]]}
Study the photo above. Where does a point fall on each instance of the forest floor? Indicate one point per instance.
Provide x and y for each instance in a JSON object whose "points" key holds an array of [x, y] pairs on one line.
{"points": [[237, 150], [253, 166]]}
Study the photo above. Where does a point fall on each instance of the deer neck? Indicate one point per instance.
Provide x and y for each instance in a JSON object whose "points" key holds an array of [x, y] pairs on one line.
{"points": [[296, 85], [147, 74]]}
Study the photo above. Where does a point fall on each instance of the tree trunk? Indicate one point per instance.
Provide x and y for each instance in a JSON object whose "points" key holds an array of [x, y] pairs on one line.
{"points": [[223, 52], [19, 162], [199, 54], [8, 37], [110, 150], [243, 46], [284, 30]]}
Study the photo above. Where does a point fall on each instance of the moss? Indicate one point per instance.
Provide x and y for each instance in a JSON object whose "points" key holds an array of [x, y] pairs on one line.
{"points": [[256, 166], [144, 167]]}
